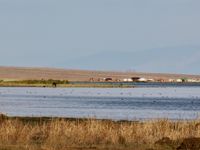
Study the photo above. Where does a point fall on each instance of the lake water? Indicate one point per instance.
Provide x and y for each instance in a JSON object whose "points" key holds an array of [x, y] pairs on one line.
{"points": [[104, 103]]}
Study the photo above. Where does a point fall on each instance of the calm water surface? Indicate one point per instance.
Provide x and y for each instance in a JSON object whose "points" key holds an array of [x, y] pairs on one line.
{"points": [[108, 103]]}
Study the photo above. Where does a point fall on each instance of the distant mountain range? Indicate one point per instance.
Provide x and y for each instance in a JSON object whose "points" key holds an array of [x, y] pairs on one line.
{"points": [[165, 60]]}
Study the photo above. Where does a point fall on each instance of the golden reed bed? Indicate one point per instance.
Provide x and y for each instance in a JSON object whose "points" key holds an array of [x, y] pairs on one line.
{"points": [[63, 134]]}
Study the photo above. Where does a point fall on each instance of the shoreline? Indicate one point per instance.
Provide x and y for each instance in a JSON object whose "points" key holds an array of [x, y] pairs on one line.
{"points": [[70, 86], [50, 118], [101, 85], [73, 119]]}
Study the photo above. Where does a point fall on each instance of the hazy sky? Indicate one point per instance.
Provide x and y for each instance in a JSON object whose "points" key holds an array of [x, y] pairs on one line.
{"points": [[51, 32]]}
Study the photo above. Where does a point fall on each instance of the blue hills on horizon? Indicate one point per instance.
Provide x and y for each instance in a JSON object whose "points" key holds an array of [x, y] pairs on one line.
{"points": [[166, 60]]}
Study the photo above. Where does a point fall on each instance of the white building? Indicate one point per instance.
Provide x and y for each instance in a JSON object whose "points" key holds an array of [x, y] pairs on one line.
{"points": [[127, 80], [142, 80], [192, 80], [179, 80], [171, 80], [150, 80]]}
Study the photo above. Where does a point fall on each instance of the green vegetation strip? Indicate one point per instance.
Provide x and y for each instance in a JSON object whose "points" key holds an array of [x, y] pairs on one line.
{"points": [[58, 83]]}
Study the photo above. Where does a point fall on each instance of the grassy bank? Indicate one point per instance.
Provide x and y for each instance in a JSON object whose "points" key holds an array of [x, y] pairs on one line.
{"points": [[62, 134], [57, 83]]}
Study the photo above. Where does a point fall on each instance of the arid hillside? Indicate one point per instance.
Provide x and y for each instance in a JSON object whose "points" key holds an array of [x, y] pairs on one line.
{"points": [[21, 73]]}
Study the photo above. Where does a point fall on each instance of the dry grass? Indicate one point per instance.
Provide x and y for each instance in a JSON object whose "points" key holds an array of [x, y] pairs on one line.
{"points": [[91, 134]]}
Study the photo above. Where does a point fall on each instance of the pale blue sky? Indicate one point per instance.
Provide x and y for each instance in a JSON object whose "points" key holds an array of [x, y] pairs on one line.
{"points": [[59, 33]]}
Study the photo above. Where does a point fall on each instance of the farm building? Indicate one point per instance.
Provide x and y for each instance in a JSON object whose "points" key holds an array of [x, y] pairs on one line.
{"points": [[142, 80], [108, 79], [139, 79], [179, 80], [135, 79], [128, 80]]}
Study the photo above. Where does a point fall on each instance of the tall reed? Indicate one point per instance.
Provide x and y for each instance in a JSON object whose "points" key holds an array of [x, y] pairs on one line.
{"points": [[60, 134]]}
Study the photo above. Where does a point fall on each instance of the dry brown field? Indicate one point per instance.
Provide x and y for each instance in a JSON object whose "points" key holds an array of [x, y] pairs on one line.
{"points": [[22, 73]]}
